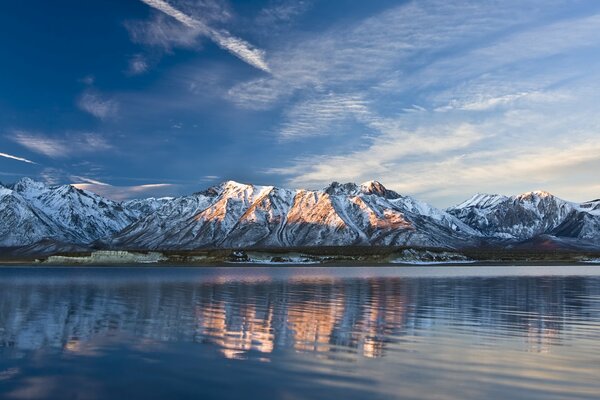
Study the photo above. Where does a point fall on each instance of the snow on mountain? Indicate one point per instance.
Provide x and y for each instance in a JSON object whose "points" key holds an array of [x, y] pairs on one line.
{"points": [[164, 226], [528, 215], [201, 220], [21, 224], [140, 208], [239, 215], [82, 216], [592, 207]]}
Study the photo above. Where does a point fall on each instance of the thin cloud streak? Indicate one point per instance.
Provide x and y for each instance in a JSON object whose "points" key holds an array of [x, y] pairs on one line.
{"points": [[61, 147], [122, 193], [236, 46], [96, 105], [89, 180], [25, 160]]}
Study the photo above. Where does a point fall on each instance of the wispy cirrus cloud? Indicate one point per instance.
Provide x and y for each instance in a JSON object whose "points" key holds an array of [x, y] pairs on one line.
{"points": [[121, 193], [373, 51], [235, 45], [60, 146], [282, 11], [279, 16], [383, 158], [87, 180], [138, 64], [162, 32], [318, 116], [22, 159], [97, 105]]}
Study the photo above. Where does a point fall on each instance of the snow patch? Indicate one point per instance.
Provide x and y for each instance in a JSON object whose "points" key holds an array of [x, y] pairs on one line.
{"points": [[109, 257], [425, 257]]}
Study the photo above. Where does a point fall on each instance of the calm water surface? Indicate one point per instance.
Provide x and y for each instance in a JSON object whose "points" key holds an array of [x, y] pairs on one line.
{"points": [[300, 333]]}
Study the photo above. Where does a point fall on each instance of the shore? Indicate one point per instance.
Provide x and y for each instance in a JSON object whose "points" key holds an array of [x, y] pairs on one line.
{"points": [[351, 256]]}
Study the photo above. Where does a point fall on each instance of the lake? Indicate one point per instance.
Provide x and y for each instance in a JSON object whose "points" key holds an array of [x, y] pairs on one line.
{"points": [[300, 333]]}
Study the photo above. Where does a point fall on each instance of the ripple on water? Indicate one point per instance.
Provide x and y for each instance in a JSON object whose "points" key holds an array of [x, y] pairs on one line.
{"points": [[299, 333]]}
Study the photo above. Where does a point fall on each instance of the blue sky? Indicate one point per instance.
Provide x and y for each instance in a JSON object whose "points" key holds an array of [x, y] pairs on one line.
{"points": [[435, 99]]}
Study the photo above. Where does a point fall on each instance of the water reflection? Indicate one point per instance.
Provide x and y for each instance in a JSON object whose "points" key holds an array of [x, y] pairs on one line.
{"points": [[310, 313]]}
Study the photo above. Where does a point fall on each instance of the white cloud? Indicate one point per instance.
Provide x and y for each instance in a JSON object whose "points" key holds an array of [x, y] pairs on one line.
{"points": [[236, 46], [163, 32], [318, 116], [61, 146], [368, 53], [138, 65], [97, 105], [280, 13], [120, 193], [88, 180], [383, 158], [25, 160], [52, 176]]}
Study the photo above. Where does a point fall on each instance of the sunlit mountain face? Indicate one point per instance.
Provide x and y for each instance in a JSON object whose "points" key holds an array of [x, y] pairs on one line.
{"points": [[47, 219]]}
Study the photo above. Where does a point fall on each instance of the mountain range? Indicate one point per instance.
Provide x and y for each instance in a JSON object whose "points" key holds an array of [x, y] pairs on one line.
{"points": [[42, 218]]}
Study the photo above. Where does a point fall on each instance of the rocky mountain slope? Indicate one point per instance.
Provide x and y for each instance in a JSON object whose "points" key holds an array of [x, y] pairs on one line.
{"points": [[234, 215], [529, 215], [82, 216], [238, 215], [21, 223]]}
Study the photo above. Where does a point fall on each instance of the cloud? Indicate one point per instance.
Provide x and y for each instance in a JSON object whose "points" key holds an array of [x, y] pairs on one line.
{"points": [[282, 11], [236, 46], [88, 180], [137, 65], [5, 155], [97, 105], [52, 176], [88, 80], [375, 50], [383, 158], [121, 193], [163, 32], [61, 146], [316, 117]]}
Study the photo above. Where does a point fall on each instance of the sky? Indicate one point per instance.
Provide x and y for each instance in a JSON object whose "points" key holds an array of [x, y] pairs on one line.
{"points": [[436, 99]]}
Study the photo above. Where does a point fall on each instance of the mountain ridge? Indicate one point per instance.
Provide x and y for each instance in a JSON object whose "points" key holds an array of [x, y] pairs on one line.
{"points": [[237, 215]]}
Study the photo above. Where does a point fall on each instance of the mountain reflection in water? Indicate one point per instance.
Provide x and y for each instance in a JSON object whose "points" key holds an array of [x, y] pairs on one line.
{"points": [[343, 315]]}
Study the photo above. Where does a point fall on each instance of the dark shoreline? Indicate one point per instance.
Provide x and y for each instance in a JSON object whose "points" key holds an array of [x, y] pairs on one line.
{"points": [[310, 256]]}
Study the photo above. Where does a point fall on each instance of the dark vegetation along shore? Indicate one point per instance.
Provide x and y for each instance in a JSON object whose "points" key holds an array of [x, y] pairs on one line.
{"points": [[351, 255]]}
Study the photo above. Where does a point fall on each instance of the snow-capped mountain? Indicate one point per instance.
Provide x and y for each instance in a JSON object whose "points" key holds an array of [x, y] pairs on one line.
{"points": [[529, 215], [82, 216], [239, 215], [234, 215], [592, 207], [141, 207], [22, 224]]}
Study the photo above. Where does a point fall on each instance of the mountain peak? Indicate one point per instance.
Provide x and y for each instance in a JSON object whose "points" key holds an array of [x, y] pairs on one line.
{"points": [[336, 188], [352, 189], [481, 200], [536, 193], [231, 183], [373, 187], [28, 184]]}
